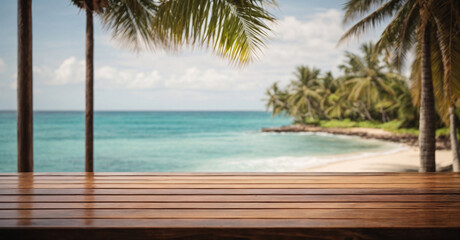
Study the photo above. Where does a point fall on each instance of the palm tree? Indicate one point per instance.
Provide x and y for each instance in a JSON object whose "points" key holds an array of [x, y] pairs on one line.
{"points": [[304, 98], [337, 106], [447, 21], [277, 100], [234, 29], [411, 22], [327, 86], [90, 7], [24, 81], [369, 85], [403, 106], [445, 92]]}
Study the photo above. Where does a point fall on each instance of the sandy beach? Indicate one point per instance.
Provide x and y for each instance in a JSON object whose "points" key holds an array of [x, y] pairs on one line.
{"points": [[404, 160]]}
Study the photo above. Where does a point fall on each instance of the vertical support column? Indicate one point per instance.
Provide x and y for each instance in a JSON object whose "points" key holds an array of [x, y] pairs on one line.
{"points": [[24, 88], [89, 144]]}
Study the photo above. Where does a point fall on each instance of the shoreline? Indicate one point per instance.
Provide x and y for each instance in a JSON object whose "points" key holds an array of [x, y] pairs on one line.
{"points": [[442, 143], [404, 160]]}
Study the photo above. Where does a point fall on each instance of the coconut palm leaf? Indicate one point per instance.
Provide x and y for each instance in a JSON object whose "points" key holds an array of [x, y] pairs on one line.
{"points": [[130, 23], [355, 9], [234, 29]]}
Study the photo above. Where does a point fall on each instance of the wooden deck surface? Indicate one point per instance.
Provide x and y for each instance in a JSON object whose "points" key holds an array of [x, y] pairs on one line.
{"points": [[230, 206]]}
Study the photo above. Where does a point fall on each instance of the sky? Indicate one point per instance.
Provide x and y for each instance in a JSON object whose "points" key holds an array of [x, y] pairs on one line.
{"points": [[306, 33]]}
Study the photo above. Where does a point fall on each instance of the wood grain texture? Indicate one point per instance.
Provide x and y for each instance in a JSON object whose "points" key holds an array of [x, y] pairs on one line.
{"points": [[89, 90], [232, 198], [214, 191], [229, 206], [90, 185], [25, 88]]}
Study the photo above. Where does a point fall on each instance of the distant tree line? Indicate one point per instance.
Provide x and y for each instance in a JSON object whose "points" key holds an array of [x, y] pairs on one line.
{"points": [[368, 89]]}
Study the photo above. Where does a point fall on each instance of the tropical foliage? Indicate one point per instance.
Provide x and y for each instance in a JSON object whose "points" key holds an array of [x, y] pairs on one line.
{"points": [[368, 90], [235, 30], [430, 28]]}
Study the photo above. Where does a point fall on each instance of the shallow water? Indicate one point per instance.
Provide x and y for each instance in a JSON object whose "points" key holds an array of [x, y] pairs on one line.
{"points": [[176, 141]]}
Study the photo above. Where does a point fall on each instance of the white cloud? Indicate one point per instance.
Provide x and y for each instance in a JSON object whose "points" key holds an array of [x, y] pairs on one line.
{"points": [[70, 71], [312, 42], [323, 27], [213, 80], [110, 77], [2, 65], [195, 79]]}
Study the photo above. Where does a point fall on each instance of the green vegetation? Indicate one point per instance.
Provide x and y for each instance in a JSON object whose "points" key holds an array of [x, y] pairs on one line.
{"points": [[392, 126], [430, 29], [368, 91], [369, 94]]}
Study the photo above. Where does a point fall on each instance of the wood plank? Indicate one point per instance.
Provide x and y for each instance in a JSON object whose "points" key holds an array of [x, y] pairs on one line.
{"points": [[453, 215], [454, 182], [231, 198], [226, 205], [97, 176], [213, 191], [89, 185], [226, 223], [233, 174]]}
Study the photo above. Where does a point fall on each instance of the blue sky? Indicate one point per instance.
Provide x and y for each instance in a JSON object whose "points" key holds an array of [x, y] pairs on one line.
{"points": [[306, 33]]}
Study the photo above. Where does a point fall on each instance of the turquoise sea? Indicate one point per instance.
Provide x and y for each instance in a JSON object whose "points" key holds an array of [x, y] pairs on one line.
{"points": [[177, 141]]}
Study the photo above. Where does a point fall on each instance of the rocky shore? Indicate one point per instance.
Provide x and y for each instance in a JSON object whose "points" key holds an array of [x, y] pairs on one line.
{"points": [[370, 133]]}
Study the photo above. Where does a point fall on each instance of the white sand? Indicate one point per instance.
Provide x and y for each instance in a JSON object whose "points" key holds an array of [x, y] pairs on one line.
{"points": [[394, 162]]}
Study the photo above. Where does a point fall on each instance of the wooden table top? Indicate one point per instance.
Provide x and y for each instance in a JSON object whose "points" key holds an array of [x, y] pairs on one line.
{"points": [[247, 204]]}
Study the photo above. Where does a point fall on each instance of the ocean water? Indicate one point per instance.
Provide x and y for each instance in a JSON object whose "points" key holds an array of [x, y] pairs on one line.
{"points": [[177, 142]]}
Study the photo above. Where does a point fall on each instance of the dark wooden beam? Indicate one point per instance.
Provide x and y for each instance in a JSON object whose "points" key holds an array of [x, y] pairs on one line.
{"points": [[89, 113], [24, 81], [236, 233]]}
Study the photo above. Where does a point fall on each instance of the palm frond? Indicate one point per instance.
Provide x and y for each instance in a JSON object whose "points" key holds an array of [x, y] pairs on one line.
{"points": [[400, 34], [130, 22], [234, 29], [384, 12]]}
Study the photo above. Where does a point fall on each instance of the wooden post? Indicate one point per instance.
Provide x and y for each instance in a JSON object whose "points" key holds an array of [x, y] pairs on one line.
{"points": [[24, 81], [89, 92]]}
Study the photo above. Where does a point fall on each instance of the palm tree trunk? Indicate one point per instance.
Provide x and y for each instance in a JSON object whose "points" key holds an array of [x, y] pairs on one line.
{"points": [[310, 115], [453, 139], [89, 92], [427, 141], [367, 113], [25, 94]]}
